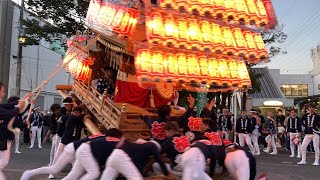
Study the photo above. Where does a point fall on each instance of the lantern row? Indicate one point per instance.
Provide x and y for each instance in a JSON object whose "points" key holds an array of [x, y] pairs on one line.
{"points": [[77, 63], [155, 65], [205, 36], [104, 17], [242, 11]]}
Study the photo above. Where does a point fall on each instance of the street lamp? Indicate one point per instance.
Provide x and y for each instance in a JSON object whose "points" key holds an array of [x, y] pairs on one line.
{"points": [[22, 40]]}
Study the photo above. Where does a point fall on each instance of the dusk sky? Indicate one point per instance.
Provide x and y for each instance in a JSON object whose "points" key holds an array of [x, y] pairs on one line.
{"points": [[301, 21]]}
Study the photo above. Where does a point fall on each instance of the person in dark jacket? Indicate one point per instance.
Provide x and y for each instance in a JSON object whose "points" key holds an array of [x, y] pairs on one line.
{"points": [[7, 118], [244, 130], [36, 121], [225, 124], [294, 129], [311, 123], [55, 109]]}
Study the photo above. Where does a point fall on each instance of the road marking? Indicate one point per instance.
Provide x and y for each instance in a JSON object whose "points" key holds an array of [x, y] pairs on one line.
{"points": [[14, 170], [280, 164], [284, 162]]}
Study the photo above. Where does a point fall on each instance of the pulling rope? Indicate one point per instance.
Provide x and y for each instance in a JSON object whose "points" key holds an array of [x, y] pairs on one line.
{"points": [[35, 93]]}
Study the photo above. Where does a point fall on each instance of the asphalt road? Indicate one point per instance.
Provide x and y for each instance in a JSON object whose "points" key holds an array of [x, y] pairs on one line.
{"points": [[277, 167]]}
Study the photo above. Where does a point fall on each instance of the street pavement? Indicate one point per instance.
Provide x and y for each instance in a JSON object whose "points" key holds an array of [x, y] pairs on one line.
{"points": [[277, 167]]}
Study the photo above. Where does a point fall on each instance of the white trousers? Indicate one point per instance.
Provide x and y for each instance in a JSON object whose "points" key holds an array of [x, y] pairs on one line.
{"points": [[273, 144], [306, 140], [254, 139], [4, 159], [36, 131], [66, 157], [245, 138], [59, 151], [86, 161], [55, 142], [16, 142], [292, 145], [120, 162], [194, 165], [76, 172], [237, 164]]}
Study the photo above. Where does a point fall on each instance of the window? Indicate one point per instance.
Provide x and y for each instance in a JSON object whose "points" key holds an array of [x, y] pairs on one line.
{"points": [[57, 100], [40, 102], [294, 89]]}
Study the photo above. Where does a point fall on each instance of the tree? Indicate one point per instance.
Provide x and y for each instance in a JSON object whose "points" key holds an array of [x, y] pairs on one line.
{"points": [[62, 18]]}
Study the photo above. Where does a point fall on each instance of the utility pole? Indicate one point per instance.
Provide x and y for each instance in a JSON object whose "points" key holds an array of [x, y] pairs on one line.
{"points": [[19, 61]]}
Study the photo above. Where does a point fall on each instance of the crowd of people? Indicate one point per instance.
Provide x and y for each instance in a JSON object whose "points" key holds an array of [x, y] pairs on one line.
{"points": [[187, 146]]}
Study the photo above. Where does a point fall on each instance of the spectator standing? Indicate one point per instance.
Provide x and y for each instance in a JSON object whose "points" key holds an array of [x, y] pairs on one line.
{"points": [[272, 133], [36, 121]]}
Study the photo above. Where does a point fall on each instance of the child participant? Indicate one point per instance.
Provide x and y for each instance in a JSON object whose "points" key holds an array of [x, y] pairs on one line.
{"points": [[130, 159], [239, 162]]}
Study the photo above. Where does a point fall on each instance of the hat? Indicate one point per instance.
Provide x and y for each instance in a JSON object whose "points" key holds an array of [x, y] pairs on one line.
{"points": [[67, 100]]}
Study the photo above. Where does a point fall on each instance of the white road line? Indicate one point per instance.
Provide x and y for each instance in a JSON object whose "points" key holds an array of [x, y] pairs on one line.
{"points": [[284, 162], [276, 164], [14, 170]]}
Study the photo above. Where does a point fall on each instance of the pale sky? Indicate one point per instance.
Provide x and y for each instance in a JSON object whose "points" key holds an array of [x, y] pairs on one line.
{"points": [[301, 21]]}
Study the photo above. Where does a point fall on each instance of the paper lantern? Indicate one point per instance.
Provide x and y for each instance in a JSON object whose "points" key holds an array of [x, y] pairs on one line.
{"points": [[157, 59], [231, 10], [241, 7], [262, 51], [207, 37], [218, 38], [224, 72], [143, 63], [263, 16], [228, 40], [171, 67], [251, 45], [204, 68], [108, 17], [195, 34], [218, 10], [170, 30], [273, 22], [233, 69], [193, 67], [193, 6], [214, 70], [183, 33], [240, 42], [182, 66], [252, 11], [155, 29]]}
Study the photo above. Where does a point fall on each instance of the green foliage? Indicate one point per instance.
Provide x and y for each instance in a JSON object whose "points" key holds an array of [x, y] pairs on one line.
{"points": [[274, 36], [62, 18], [255, 82]]}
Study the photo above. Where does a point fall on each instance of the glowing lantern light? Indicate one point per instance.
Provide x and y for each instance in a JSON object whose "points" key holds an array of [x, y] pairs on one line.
{"points": [[218, 10], [242, 9], [263, 17], [204, 68], [224, 71], [240, 41], [171, 66], [229, 40], [251, 45], [233, 69], [108, 17], [157, 64], [155, 30], [263, 53], [231, 10], [195, 34], [193, 6], [193, 67], [170, 30], [207, 36], [252, 10], [182, 66], [143, 64], [183, 36], [273, 22], [214, 70], [218, 39]]}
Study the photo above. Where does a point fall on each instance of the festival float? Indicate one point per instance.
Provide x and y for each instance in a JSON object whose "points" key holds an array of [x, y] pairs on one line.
{"points": [[160, 47]]}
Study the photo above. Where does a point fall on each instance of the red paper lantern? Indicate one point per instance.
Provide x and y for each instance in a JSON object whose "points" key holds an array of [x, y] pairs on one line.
{"points": [[240, 42], [183, 33], [207, 36], [155, 29], [251, 45], [170, 30], [195, 34], [230, 47], [262, 51]]}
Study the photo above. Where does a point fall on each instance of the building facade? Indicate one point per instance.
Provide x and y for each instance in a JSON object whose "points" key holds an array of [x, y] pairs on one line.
{"points": [[38, 62], [315, 56]]}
